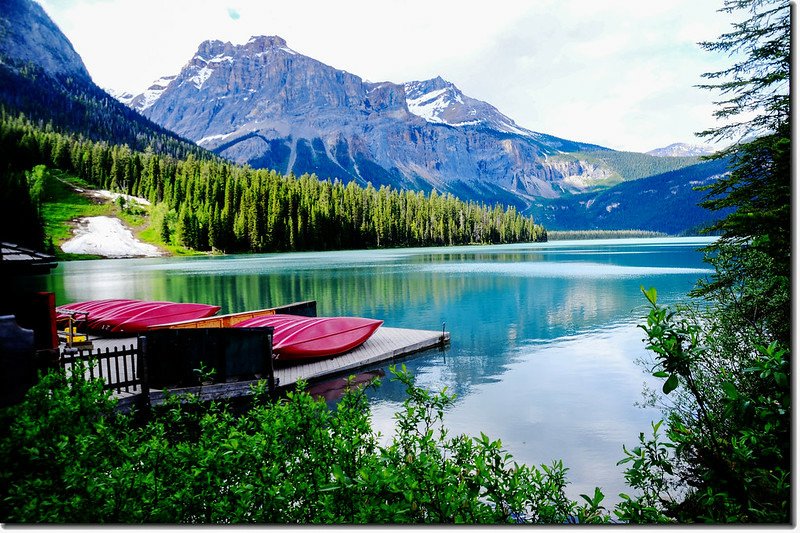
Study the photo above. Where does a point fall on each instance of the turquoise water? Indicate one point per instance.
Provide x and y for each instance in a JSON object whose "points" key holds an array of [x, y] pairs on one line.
{"points": [[543, 336]]}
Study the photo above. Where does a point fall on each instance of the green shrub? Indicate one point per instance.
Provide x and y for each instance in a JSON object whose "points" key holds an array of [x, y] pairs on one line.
{"points": [[68, 457]]}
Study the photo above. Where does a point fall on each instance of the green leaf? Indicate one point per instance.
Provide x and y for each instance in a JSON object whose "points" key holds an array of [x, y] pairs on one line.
{"points": [[730, 390], [661, 374], [671, 384], [651, 294]]}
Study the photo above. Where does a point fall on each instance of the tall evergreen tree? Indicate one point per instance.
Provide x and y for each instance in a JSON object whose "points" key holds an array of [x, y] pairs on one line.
{"points": [[756, 237]]}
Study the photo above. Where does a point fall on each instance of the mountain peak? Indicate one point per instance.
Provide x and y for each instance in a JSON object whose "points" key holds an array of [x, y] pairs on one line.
{"points": [[440, 101], [427, 86], [258, 44], [266, 41], [433, 99], [212, 48]]}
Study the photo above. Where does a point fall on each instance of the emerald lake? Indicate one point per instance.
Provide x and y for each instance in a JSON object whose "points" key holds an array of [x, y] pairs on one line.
{"points": [[544, 336]]}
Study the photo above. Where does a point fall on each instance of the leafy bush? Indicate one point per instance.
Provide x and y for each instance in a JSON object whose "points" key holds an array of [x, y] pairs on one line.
{"points": [[728, 424], [68, 457]]}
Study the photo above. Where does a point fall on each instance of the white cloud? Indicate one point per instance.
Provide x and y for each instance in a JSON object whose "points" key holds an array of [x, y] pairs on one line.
{"points": [[618, 73]]}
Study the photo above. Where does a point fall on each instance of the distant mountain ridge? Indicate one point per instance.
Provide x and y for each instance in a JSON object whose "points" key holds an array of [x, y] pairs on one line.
{"points": [[681, 150], [665, 203]]}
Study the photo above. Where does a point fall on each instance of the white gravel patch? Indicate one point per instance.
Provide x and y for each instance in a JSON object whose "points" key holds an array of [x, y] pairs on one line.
{"points": [[107, 237]]}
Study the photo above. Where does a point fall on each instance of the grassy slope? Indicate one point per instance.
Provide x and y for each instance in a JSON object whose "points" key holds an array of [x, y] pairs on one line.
{"points": [[63, 204]]}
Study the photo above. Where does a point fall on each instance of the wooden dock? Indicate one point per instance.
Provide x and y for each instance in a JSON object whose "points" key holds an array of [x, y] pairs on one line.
{"points": [[385, 345]]}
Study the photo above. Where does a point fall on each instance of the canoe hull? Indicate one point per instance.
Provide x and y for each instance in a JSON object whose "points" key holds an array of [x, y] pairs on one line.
{"points": [[298, 337], [124, 316]]}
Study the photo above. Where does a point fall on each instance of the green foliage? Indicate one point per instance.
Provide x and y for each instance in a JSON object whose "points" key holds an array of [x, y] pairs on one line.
{"points": [[49, 444], [756, 86], [728, 423], [649, 472], [727, 365], [755, 241], [39, 182], [222, 206], [68, 457]]}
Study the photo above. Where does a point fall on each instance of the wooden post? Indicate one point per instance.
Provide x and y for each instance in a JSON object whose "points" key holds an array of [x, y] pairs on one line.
{"points": [[141, 370], [270, 364]]}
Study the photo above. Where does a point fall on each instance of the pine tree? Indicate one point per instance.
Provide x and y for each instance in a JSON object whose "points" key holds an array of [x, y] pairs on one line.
{"points": [[758, 186]]}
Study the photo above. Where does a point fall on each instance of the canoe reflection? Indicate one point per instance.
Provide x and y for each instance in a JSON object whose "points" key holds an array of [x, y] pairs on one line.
{"points": [[333, 389]]}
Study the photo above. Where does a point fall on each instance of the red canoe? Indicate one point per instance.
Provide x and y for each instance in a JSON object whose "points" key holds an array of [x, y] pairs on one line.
{"points": [[301, 337], [133, 316]]}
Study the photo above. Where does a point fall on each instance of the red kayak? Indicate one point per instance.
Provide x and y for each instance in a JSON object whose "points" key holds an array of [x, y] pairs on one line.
{"points": [[132, 316], [301, 337]]}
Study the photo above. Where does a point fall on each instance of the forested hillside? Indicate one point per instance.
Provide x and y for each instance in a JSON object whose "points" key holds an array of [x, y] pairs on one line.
{"points": [[212, 204], [44, 78], [641, 204], [71, 106], [633, 165]]}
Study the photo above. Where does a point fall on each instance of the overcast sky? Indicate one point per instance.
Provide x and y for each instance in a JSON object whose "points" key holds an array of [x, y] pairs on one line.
{"points": [[616, 73]]}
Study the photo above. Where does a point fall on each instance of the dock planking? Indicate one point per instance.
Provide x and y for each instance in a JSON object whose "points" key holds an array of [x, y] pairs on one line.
{"points": [[384, 345]]}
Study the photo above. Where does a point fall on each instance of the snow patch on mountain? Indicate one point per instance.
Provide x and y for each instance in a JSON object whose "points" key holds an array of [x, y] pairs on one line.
{"points": [[440, 102], [210, 138], [150, 95], [430, 105], [123, 97], [200, 78]]}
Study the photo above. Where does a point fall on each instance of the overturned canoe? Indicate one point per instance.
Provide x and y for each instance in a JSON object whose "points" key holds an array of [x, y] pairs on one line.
{"points": [[131, 316], [300, 337]]}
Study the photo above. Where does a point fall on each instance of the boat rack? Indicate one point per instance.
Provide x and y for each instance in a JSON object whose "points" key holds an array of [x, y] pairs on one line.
{"points": [[75, 341]]}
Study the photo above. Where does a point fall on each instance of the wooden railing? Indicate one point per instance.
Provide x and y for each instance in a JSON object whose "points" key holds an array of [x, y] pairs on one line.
{"points": [[117, 367], [238, 356]]}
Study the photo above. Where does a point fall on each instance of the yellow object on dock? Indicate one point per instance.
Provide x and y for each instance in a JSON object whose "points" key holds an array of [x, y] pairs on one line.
{"points": [[73, 336]]}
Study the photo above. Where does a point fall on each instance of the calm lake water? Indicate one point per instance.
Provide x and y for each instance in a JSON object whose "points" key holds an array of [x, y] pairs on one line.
{"points": [[543, 336]]}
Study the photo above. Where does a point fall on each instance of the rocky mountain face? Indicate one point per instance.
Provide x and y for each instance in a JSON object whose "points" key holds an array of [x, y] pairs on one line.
{"points": [[264, 104], [29, 36]]}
